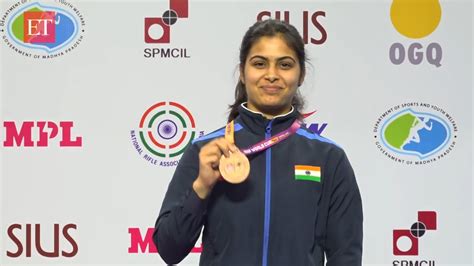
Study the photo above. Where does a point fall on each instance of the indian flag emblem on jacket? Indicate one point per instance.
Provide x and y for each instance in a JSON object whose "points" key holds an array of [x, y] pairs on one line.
{"points": [[308, 172]]}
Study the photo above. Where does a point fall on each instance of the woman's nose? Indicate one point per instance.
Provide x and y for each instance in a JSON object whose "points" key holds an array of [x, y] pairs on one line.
{"points": [[271, 74]]}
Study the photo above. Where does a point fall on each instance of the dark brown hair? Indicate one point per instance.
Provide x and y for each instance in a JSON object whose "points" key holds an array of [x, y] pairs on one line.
{"points": [[268, 28]]}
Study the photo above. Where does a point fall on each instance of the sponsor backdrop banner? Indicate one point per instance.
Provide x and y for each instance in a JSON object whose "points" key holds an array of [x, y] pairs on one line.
{"points": [[99, 99]]}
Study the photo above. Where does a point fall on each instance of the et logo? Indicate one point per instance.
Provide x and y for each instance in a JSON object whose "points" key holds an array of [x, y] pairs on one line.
{"points": [[415, 19], [39, 27]]}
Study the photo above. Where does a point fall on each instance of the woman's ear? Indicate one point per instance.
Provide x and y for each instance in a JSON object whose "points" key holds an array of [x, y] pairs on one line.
{"points": [[303, 73], [241, 75]]}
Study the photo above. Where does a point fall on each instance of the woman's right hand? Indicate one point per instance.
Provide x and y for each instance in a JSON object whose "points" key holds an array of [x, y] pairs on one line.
{"points": [[209, 157]]}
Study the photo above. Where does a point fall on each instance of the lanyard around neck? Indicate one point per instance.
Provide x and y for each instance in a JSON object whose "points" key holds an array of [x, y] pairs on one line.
{"points": [[266, 143]]}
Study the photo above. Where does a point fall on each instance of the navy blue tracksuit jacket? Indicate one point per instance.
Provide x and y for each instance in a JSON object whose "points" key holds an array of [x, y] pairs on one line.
{"points": [[272, 218]]}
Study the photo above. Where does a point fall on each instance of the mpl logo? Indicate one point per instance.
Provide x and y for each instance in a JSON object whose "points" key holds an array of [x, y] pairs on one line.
{"points": [[312, 30], [52, 30], [158, 31], [140, 243], [28, 236], [164, 132], [406, 241], [415, 133], [415, 19], [46, 130]]}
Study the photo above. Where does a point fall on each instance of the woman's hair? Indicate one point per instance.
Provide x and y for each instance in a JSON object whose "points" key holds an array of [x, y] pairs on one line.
{"points": [[268, 28]]}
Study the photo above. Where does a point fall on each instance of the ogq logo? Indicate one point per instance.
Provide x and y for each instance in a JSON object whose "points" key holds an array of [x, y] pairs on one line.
{"points": [[415, 19]]}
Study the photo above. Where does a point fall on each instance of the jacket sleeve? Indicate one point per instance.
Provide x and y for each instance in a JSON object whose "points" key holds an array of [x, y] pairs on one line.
{"points": [[341, 225], [182, 213]]}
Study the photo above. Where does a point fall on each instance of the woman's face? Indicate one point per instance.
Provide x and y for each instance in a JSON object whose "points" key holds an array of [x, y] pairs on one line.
{"points": [[271, 76]]}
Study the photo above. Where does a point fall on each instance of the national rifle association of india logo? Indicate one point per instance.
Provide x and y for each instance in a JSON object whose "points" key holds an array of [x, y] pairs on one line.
{"points": [[164, 131], [42, 30], [415, 133]]}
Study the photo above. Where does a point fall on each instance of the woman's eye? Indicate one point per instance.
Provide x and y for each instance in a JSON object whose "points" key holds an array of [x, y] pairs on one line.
{"points": [[258, 64], [286, 65]]}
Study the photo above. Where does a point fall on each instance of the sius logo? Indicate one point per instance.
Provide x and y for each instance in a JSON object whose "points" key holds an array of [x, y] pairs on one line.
{"points": [[406, 241], [415, 133], [415, 19], [32, 232], [158, 31], [321, 34], [46, 130], [52, 30], [164, 132], [140, 244]]}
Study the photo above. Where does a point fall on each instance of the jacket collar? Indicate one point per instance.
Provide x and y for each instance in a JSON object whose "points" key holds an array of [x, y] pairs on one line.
{"points": [[257, 123]]}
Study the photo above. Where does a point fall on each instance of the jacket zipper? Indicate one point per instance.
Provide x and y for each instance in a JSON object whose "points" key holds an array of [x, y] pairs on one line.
{"points": [[268, 186]]}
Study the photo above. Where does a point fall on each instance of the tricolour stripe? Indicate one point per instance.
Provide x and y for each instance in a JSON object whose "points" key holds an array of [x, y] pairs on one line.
{"points": [[307, 167], [308, 172], [308, 178]]}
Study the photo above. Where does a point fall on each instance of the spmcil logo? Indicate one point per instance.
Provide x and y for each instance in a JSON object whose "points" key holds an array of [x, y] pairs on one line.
{"points": [[165, 129], [158, 31], [42, 31], [410, 237], [406, 242]]}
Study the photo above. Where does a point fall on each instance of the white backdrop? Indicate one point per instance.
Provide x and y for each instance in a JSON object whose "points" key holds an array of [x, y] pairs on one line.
{"points": [[104, 191]]}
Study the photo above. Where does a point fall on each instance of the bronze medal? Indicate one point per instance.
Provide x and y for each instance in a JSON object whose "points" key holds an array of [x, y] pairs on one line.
{"points": [[235, 168]]}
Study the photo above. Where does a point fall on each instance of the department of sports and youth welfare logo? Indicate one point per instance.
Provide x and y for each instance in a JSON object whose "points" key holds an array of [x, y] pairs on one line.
{"points": [[164, 132], [42, 31], [415, 133]]}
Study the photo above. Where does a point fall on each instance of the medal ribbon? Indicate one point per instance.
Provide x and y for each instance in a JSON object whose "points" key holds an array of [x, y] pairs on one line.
{"points": [[229, 132], [266, 143]]}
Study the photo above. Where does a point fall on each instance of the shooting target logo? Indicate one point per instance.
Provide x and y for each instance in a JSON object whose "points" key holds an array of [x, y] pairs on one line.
{"points": [[164, 131]]}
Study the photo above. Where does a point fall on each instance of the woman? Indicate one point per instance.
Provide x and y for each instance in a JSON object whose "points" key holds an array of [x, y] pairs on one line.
{"points": [[300, 201]]}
